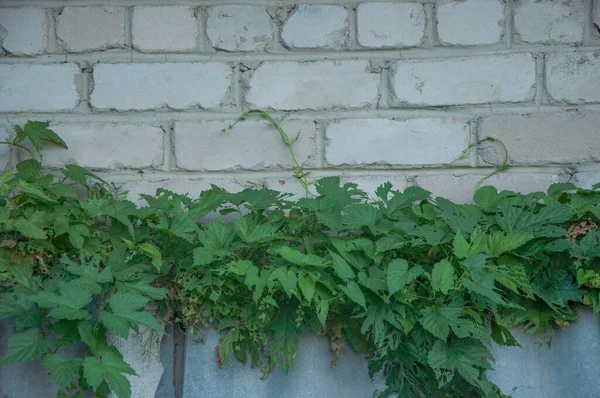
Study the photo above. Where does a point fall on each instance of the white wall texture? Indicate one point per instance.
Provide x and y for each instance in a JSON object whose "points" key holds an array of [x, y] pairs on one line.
{"points": [[140, 89]]}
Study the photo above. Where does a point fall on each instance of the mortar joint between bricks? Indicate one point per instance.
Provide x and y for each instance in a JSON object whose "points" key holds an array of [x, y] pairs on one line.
{"points": [[540, 81], [202, 42], [430, 38], [278, 14], [508, 23]]}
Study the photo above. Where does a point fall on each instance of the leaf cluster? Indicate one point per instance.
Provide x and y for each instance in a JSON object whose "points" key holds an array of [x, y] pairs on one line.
{"points": [[421, 285]]}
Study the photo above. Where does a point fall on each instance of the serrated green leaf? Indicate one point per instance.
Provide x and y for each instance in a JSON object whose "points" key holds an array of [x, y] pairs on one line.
{"points": [[341, 267], [354, 293], [94, 339], [442, 276], [399, 274], [404, 199], [70, 304], [143, 285], [322, 311], [500, 242], [25, 346], [63, 371], [501, 335], [287, 279], [460, 246], [154, 254], [240, 267], [296, 257], [285, 342], [127, 312], [37, 132], [360, 215], [112, 367], [306, 283], [28, 229]]}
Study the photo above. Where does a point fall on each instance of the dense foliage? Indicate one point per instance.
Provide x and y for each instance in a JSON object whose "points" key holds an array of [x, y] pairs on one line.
{"points": [[420, 284]]}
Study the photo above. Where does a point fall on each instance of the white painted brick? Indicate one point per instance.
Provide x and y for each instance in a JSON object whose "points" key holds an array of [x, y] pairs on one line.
{"points": [[313, 85], [461, 188], [543, 138], [316, 26], [173, 28], [23, 30], [556, 21], [470, 22], [573, 78], [456, 81], [189, 186], [586, 179], [596, 18], [390, 24], [395, 142], [107, 146], [27, 87], [91, 28], [149, 86], [5, 135], [239, 28], [367, 182], [252, 144]]}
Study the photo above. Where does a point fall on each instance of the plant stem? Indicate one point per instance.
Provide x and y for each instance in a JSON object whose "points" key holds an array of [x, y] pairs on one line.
{"points": [[299, 172]]}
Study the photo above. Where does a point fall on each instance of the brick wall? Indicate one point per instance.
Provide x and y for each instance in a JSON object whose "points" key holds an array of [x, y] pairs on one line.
{"points": [[140, 89]]}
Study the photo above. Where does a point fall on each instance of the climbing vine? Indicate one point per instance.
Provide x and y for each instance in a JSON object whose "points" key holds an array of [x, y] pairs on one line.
{"points": [[421, 285]]}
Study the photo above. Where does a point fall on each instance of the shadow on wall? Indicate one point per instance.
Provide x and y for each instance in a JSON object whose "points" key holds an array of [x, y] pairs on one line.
{"points": [[567, 369]]}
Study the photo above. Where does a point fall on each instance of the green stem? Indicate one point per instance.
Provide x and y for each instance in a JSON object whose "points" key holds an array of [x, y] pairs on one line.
{"points": [[503, 167], [299, 172], [18, 146]]}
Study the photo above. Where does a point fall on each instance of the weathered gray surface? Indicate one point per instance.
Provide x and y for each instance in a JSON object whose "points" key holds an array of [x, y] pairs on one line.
{"points": [[569, 369], [310, 376], [141, 350], [30, 380], [166, 387]]}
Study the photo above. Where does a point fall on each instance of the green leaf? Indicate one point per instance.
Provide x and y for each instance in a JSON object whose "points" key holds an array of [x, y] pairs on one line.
{"points": [[287, 278], [127, 312], [399, 274], [440, 318], [307, 286], [341, 267], [296, 257], [501, 335], [112, 367], [442, 277], [37, 132], [94, 339], [63, 371], [500, 242], [79, 175], [467, 357], [253, 230], [240, 267], [69, 304], [411, 194], [460, 246], [28, 229], [154, 254], [354, 293], [143, 285], [285, 342], [25, 346], [322, 311], [360, 215]]}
